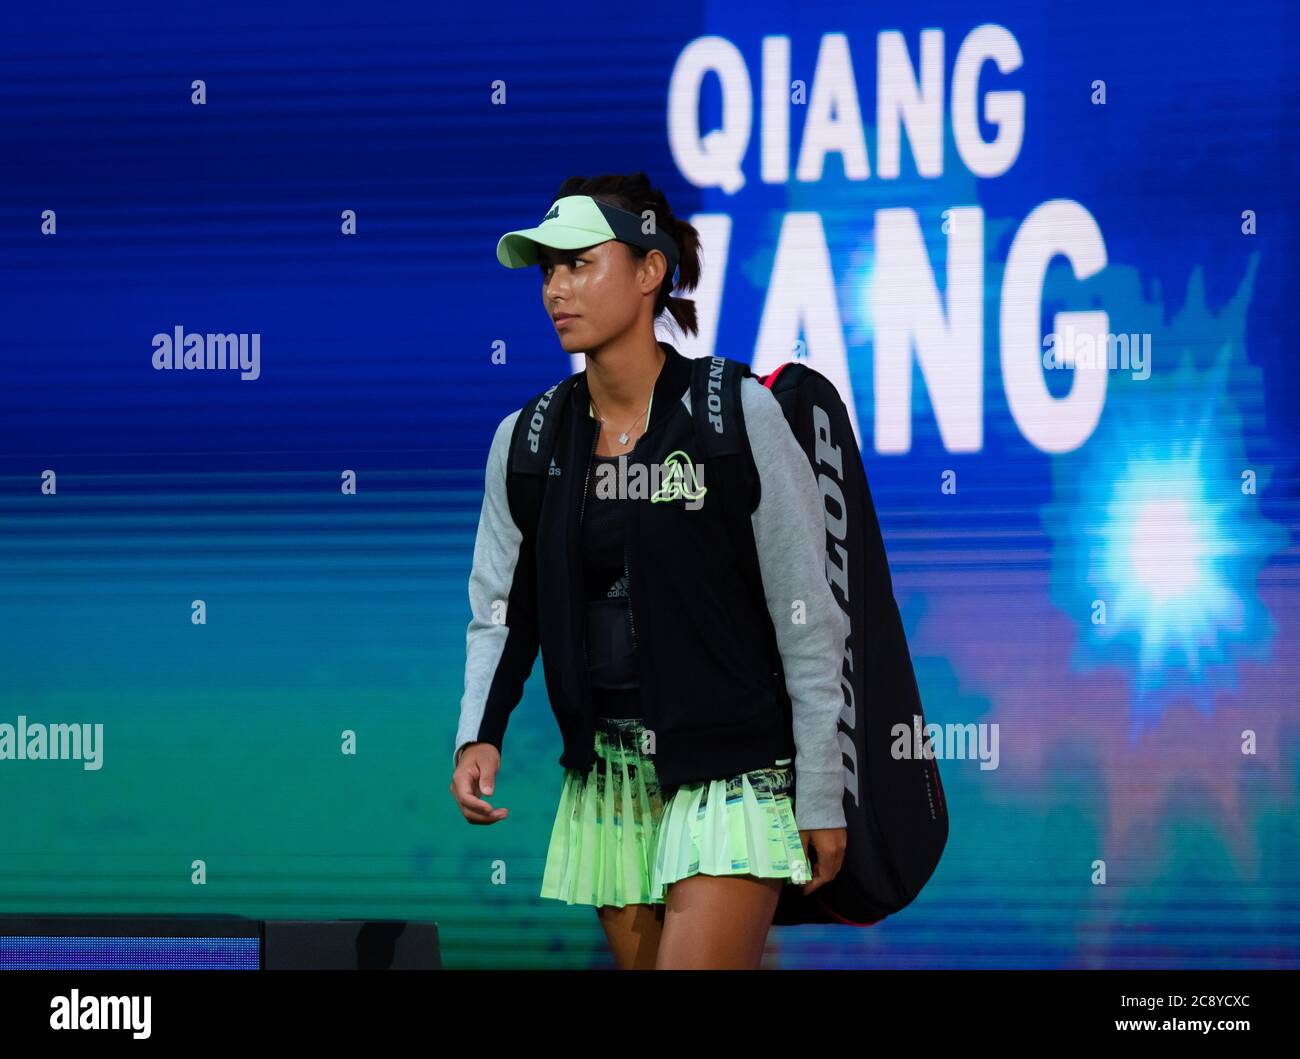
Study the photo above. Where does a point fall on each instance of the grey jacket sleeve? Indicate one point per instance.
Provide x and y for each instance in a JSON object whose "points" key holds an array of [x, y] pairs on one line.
{"points": [[501, 641], [790, 535]]}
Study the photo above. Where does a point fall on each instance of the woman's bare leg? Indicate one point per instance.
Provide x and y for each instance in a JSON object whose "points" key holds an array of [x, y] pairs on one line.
{"points": [[717, 922], [633, 934]]}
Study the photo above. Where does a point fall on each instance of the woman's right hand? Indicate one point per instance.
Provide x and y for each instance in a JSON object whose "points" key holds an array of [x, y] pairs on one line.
{"points": [[475, 777]]}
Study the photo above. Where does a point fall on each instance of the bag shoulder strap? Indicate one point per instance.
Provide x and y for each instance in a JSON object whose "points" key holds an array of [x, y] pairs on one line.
{"points": [[531, 444], [718, 411], [717, 408], [716, 405]]}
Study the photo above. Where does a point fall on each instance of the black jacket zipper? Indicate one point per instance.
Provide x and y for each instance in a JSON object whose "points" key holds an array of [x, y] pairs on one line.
{"points": [[646, 709], [627, 581], [589, 711], [582, 507]]}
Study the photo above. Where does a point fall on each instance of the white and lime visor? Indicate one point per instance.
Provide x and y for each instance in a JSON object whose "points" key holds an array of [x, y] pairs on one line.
{"points": [[577, 221]]}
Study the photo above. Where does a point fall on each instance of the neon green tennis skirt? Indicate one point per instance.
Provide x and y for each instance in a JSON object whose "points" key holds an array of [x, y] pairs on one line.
{"points": [[618, 839]]}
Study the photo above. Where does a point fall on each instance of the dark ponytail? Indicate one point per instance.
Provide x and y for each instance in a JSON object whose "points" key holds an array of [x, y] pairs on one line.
{"points": [[633, 192]]}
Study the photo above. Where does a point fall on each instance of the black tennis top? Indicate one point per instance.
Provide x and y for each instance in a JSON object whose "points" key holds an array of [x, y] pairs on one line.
{"points": [[611, 642]]}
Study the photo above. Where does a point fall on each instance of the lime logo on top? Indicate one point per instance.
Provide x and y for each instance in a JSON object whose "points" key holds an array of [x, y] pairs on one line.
{"points": [[675, 484]]}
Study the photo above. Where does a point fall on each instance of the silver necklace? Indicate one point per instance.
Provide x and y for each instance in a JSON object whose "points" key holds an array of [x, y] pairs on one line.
{"points": [[623, 437]]}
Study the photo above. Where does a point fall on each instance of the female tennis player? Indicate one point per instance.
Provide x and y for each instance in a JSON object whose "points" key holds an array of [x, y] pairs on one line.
{"points": [[702, 771]]}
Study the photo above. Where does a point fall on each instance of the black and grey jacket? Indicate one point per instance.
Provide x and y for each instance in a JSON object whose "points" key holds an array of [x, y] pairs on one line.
{"points": [[740, 639]]}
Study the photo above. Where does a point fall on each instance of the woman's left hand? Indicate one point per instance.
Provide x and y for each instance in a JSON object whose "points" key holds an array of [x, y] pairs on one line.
{"points": [[828, 843]]}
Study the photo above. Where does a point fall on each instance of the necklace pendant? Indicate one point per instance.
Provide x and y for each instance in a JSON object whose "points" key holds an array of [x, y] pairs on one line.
{"points": [[622, 438]]}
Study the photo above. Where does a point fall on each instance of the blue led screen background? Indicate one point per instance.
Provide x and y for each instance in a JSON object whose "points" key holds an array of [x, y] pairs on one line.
{"points": [[1097, 569]]}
